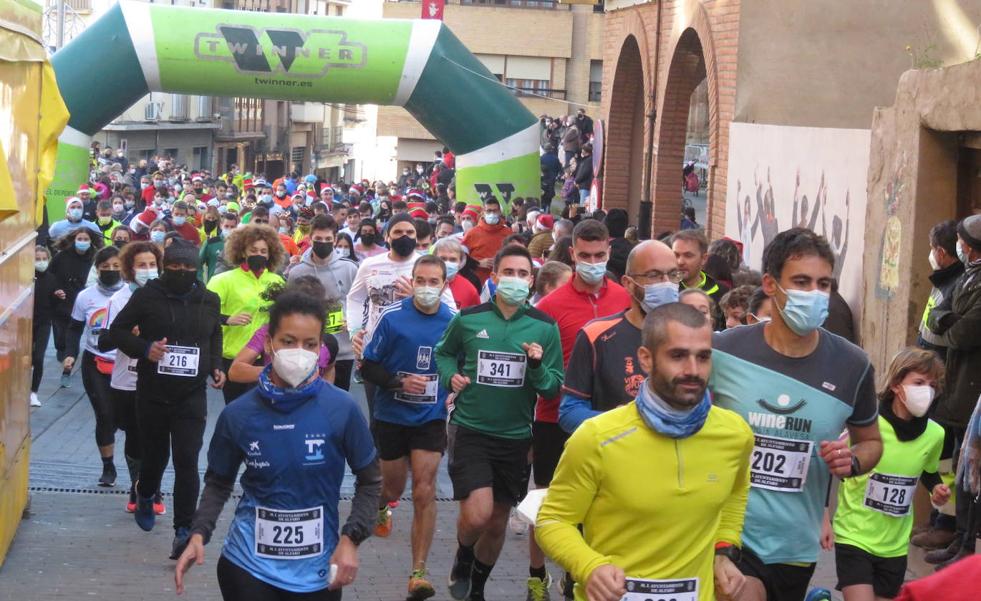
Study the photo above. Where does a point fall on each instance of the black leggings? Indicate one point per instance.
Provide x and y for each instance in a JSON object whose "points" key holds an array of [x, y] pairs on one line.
{"points": [[236, 583], [100, 395], [124, 409], [176, 427], [233, 390], [39, 346], [342, 373], [59, 324]]}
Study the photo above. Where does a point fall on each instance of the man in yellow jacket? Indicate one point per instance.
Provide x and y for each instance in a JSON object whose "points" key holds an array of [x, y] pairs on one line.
{"points": [[659, 484]]}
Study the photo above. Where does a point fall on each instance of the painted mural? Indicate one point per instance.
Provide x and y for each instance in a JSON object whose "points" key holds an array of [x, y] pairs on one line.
{"points": [[781, 177]]}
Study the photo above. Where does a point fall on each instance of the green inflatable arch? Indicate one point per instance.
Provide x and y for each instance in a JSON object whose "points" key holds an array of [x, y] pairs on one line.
{"points": [[137, 47]]}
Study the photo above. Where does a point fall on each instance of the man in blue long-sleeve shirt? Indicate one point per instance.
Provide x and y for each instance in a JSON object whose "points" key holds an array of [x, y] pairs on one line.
{"points": [[604, 371]]}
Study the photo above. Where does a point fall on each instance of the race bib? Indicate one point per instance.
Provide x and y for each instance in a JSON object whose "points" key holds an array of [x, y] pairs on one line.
{"points": [[179, 361], [335, 322], [501, 369], [289, 534], [779, 463], [426, 398], [661, 590], [890, 494]]}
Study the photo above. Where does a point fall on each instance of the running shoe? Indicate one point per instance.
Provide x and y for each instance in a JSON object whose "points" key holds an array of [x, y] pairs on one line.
{"points": [[393, 504], [538, 588], [131, 504], [35, 402], [818, 594], [158, 504], [476, 597], [108, 478], [459, 580], [181, 537], [383, 523], [144, 513], [66, 379], [419, 587]]}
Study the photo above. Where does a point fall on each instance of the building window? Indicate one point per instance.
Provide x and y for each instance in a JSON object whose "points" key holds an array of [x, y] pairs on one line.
{"points": [[529, 87], [548, 4], [595, 80]]}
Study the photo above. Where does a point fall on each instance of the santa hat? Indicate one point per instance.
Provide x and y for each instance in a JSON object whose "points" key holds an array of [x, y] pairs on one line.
{"points": [[417, 210], [739, 245], [416, 193], [84, 189], [357, 189], [471, 211], [144, 220], [546, 222], [72, 200], [196, 178]]}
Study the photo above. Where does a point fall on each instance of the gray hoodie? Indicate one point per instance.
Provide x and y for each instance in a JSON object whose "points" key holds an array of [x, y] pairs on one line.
{"points": [[336, 275]]}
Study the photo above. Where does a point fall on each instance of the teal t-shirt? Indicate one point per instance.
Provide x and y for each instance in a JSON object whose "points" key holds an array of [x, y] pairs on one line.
{"points": [[874, 509], [792, 404]]}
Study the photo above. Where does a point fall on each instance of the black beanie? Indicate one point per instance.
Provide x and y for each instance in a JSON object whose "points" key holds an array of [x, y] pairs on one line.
{"points": [[181, 251]]}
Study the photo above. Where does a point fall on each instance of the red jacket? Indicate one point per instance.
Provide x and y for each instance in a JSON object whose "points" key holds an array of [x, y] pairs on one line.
{"points": [[572, 309], [959, 582], [483, 242], [464, 293]]}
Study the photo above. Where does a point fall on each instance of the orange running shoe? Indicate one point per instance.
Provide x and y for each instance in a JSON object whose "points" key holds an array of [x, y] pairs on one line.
{"points": [[419, 587], [383, 524]]}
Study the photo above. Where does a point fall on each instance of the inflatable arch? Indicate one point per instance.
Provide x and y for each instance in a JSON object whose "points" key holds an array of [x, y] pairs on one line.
{"points": [[137, 47]]}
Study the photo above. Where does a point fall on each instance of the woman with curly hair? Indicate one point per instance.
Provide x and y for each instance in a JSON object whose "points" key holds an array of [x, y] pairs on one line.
{"points": [[259, 254]]}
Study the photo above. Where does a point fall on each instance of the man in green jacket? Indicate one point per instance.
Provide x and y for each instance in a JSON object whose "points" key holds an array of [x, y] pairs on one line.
{"points": [[510, 353], [212, 260]]}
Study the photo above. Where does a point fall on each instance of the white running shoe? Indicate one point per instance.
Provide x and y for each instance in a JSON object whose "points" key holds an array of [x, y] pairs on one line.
{"points": [[35, 402]]}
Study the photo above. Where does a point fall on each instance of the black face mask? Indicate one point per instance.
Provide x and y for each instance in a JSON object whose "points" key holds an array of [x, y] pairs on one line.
{"points": [[323, 249], [367, 239], [119, 243], [257, 262], [108, 278], [178, 281], [210, 225], [198, 190], [403, 246]]}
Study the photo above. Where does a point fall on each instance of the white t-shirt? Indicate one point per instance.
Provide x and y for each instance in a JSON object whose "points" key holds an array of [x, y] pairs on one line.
{"points": [[124, 371], [374, 289], [92, 308]]}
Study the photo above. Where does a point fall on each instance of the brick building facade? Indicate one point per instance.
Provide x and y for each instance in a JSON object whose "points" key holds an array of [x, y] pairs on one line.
{"points": [[654, 55]]}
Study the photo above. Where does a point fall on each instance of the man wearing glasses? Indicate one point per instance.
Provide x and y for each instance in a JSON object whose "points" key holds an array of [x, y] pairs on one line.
{"points": [[603, 370]]}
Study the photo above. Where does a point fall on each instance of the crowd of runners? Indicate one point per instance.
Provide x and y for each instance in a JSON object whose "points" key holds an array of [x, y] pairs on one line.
{"points": [[689, 417]]}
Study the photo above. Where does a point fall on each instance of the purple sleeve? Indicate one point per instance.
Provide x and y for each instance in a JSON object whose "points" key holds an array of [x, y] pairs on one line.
{"points": [[324, 359], [258, 341]]}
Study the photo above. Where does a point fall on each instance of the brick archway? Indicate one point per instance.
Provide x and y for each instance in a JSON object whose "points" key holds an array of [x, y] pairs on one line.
{"points": [[626, 131]]}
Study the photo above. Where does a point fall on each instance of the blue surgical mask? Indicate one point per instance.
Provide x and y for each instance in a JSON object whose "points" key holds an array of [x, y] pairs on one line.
{"points": [[591, 273], [659, 294], [157, 236], [961, 254], [142, 276], [804, 311], [492, 218], [179, 221], [75, 214], [82, 246], [513, 290], [452, 268]]}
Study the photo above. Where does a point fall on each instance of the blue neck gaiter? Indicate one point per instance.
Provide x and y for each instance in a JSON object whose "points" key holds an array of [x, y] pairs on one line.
{"points": [[671, 422], [285, 400]]}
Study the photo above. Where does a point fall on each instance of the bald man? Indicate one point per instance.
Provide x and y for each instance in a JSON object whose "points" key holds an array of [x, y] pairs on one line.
{"points": [[604, 371]]}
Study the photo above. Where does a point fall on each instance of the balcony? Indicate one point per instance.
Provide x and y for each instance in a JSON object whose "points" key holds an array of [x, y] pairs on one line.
{"points": [[332, 142], [307, 112]]}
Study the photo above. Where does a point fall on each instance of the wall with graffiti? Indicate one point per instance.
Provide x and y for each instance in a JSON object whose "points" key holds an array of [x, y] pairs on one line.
{"points": [[781, 177]]}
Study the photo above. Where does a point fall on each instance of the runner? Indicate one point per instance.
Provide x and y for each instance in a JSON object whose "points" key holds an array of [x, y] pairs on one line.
{"points": [[454, 255], [798, 387], [382, 280], [294, 434], [588, 295], [604, 370], [510, 352], [139, 263], [873, 520], [337, 276], [691, 249], [89, 317], [179, 347], [257, 252], [659, 484], [410, 408]]}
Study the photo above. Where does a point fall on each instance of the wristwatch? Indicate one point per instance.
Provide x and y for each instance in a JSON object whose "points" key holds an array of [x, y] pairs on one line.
{"points": [[734, 553], [856, 467]]}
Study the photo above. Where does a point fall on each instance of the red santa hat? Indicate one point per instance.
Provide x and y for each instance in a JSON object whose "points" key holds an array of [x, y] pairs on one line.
{"points": [[416, 193], [357, 189], [84, 189], [472, 211]]}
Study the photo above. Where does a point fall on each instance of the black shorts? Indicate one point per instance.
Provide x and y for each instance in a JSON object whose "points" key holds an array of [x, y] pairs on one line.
{"points": [[783, 581], [857, 566], [482, 461], [395, 441], [548, 440]]}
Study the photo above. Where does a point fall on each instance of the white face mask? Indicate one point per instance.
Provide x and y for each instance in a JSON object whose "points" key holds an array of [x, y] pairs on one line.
{"points": [[918, 399], [933, 261], [295, 365]]}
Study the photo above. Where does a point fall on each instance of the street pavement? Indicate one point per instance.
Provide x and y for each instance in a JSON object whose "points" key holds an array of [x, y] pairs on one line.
{"points": [[77, 542]]}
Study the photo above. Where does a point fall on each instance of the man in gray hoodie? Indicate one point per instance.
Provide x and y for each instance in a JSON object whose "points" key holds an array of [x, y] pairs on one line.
{"points": [[336, 274]]}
